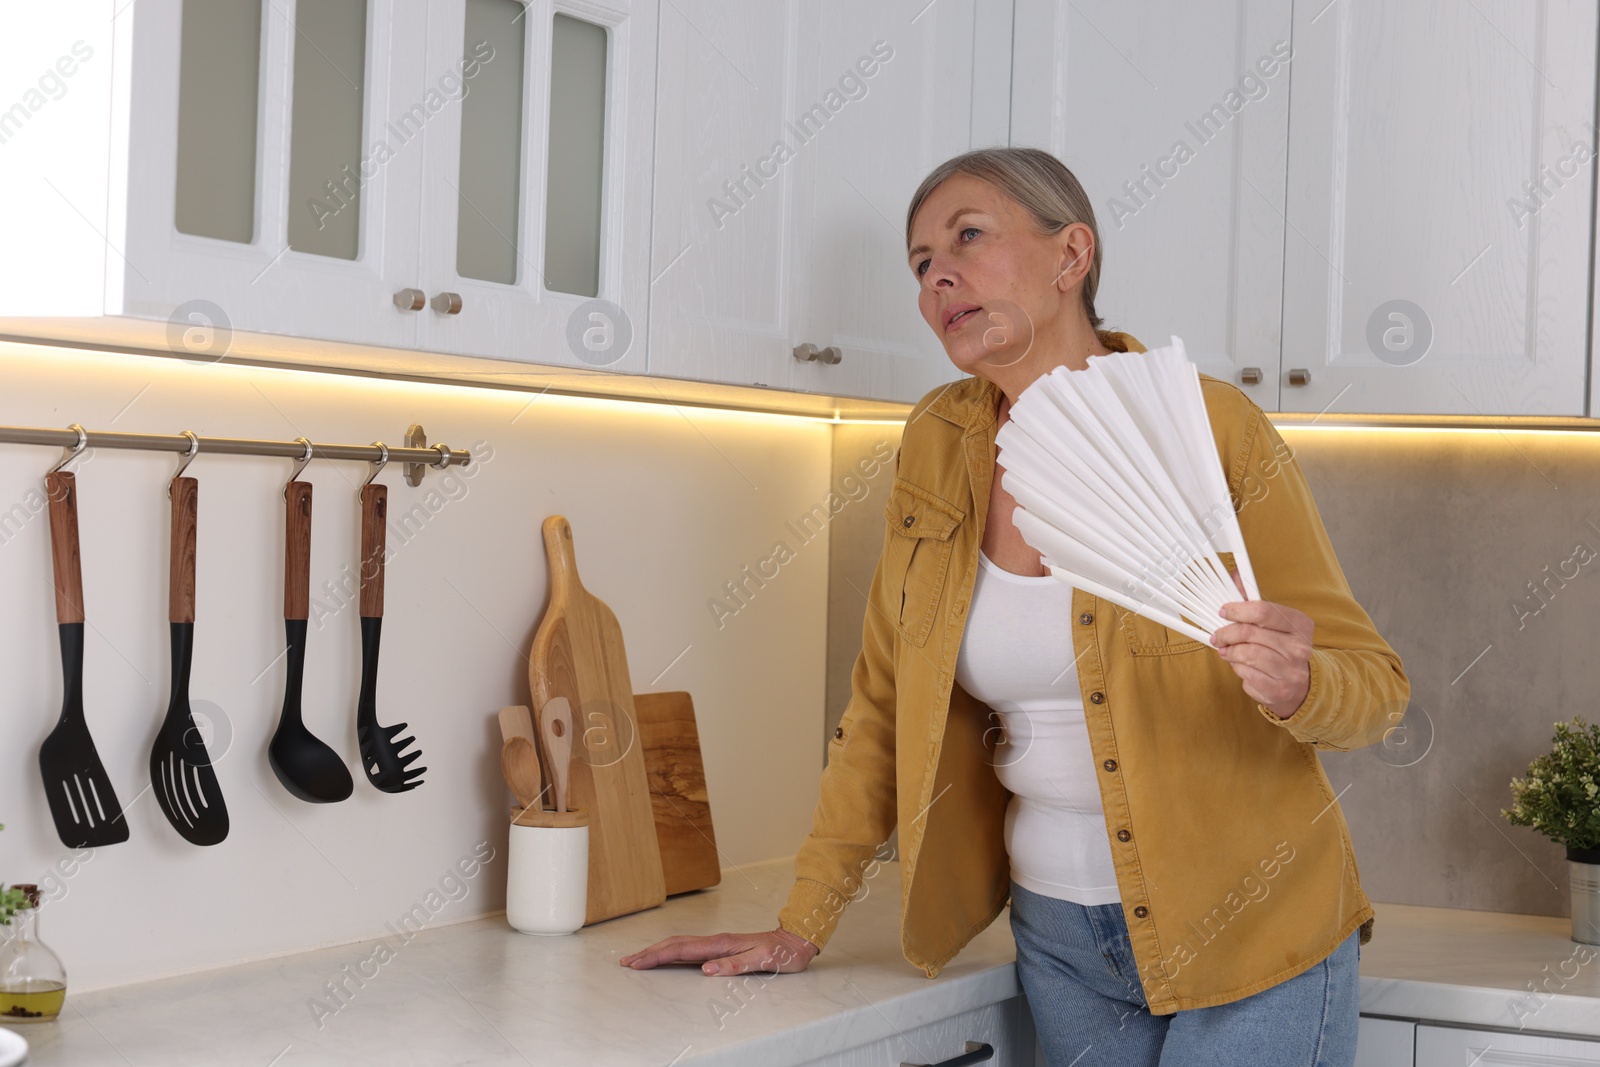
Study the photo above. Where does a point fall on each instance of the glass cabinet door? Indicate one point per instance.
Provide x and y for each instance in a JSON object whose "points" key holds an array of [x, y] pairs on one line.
{"points": [[536, 196], [272, 184]]}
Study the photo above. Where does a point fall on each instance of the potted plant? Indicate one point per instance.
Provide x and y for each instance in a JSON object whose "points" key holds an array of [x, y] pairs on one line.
{"points": [[1560, 798]]}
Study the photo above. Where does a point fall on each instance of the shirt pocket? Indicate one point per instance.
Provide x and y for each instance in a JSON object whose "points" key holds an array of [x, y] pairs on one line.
{"points": [[1146, 637], [916, 558]]}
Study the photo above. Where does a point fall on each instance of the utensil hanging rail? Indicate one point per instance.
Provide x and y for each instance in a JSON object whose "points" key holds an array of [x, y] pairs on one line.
{"points": [[438, 456]]}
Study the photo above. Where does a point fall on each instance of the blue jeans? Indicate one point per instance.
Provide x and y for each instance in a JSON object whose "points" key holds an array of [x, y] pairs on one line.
{"points": [[1077, 969]]}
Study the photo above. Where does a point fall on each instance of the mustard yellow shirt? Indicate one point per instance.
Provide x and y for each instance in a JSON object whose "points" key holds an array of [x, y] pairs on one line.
{"points": [[1233, 860]]}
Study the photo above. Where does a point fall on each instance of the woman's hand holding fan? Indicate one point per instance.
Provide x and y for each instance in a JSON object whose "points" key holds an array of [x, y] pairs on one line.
{"points": [[1115, 473]]}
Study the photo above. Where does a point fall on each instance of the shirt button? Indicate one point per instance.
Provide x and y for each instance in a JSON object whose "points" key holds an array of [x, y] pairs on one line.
{"points": [[1111, 764], [910, 519], [1086, 618], [1140, 912], [961, 609], [838, 731], [1123, 835], [1097, 697]]}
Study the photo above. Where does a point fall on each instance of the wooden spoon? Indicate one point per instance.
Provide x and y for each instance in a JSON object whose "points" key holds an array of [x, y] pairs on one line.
{"points": [[520, 763], [555, 731]]}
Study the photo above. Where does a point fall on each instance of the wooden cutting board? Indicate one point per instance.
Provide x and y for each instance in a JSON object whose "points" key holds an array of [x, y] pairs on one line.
{"points": [[578, 654], [677, 777]]}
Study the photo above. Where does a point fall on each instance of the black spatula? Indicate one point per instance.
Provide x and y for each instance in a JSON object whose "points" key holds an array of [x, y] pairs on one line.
{"points": [[180, 768], [82, 802], [380, 752]]}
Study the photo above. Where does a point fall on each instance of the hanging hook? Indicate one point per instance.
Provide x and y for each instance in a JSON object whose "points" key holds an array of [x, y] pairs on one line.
{"points": [[188, 458], [299, 464], [74, 451], [378, 464]]}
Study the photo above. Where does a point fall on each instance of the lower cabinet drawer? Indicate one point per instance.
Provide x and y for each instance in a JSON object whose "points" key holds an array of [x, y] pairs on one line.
{"points": [[1449, 1046], [1386, 1042], [1006, 1027]]}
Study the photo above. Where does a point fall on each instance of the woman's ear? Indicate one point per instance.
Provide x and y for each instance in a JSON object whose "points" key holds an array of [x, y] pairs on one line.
{"points": [[1077, 254]]}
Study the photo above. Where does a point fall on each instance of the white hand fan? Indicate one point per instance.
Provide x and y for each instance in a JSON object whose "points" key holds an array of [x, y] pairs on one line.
{"points": [[1119, 489]]}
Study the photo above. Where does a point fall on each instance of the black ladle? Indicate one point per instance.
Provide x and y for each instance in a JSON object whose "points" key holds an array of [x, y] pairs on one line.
{"points": [[305, 765], [184, 782]]}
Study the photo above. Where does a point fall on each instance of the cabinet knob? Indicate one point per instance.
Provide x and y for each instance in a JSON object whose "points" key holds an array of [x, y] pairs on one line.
{"points": [[810, 353], [1250, 375], [1299, 376], [410, 299], [447, 303]]}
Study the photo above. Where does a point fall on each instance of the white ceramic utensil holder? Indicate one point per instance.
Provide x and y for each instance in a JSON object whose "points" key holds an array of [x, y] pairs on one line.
{"points": [[547, 870]]}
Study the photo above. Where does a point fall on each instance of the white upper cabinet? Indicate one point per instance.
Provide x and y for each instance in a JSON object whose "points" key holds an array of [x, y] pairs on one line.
{"points": [[536, 225], [1175, 118], [367, 171], [257, 190], [790, 140], [1440, 207]]}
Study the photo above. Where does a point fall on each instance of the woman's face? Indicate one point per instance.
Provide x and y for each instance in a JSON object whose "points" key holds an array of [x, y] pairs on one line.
{"points": [[990, 283]]}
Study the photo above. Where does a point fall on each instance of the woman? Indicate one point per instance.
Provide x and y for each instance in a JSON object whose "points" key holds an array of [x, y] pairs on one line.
{"points": [[1181, 879]]}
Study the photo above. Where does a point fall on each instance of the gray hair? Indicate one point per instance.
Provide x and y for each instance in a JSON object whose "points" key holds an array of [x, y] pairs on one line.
{"points": [[1039, 182]]}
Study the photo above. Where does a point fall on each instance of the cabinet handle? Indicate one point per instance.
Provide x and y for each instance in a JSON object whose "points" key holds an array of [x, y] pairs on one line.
{"points": [[808, 353], [410, 299], [1299, 376], [1250, 375], [447, 303], [977, 1052]]}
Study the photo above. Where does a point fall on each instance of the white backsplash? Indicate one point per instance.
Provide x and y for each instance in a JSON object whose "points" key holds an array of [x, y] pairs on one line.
{"points": [[667, 505]]}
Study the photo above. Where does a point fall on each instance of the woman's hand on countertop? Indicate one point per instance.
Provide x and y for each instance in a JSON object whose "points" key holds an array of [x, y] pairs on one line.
{"points": [[773, 951]]}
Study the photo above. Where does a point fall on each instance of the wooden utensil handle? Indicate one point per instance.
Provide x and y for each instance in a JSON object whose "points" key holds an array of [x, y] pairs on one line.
{"points": [[62, 489], [185, 528], [562, 557], [374, 518], [297, 551]]}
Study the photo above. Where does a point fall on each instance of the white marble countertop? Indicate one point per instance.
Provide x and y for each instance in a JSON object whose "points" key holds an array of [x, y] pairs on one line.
{"points": [[481, 993], [1483, 968]]}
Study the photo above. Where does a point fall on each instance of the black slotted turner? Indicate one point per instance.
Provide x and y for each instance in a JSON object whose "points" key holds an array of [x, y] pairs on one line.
{"points": [[380, 753], [183, 780], [82, 802]]}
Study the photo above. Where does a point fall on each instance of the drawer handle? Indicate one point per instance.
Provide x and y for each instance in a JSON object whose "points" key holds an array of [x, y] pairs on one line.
{"points": [[410, 299], [447, 303], [977, 1052], [1299, 376], [1250, 376]]}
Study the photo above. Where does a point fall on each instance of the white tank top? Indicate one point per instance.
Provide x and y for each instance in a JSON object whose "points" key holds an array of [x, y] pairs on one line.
{"points": [[1016, 656]]}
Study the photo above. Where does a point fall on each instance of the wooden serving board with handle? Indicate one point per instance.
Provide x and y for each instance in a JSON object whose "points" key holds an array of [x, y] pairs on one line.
{"points": [[671, 742], [578, 653]]}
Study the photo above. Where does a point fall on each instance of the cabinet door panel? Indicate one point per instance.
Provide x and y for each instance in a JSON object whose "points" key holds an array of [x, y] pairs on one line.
{"points": [[1421, 274], [1175, 120], [1386, 1042], [1447, 1046], [888, 130], [727, 182], [486, 217], [261, 283]]}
